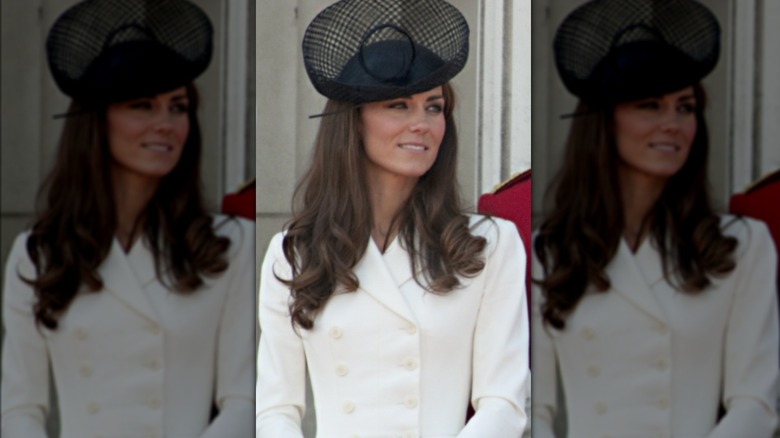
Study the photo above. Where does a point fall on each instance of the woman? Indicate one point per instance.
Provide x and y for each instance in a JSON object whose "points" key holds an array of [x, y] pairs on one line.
{"points": [[402, 307], [659, 314], [138, 299]]}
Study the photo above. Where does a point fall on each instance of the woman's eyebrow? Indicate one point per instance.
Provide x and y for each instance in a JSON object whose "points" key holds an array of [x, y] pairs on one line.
{"points": [[435, 97]]}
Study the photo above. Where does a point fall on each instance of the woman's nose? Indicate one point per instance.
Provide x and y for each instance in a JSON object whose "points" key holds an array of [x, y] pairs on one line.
{"points": [[419, 121], [164, 120]]}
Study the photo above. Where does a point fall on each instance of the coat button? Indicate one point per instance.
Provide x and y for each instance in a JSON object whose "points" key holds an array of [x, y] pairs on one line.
{"points": [[342, 370], [594, 371], [154, 402], [85, 370], [411, 329], [153, 364], [348, 407], [587, 333], [410, 401], [663, 404], [80, 333], [335, 332], [601, 408], [154, 328], [93, 407], [662, 364], [662, 329], [410, 363]]}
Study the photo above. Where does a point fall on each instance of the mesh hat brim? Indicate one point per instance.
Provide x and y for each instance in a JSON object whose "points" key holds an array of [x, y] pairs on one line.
{"points": [[114, 50], [369, 50], [610, 51]]}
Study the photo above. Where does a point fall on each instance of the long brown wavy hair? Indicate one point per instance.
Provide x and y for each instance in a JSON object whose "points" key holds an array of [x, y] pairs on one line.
{"points": [[74, 229], [581, 233], [332, 221]]}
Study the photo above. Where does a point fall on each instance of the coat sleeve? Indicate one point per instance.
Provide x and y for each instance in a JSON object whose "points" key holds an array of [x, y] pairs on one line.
{"points": [[751, 352], [281, 362], [545, 365], [500, 361], [235, 373], [25, 372]]}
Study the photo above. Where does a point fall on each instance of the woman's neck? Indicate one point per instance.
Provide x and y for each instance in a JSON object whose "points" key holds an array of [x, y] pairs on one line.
{"points": [[639, 195], [387, 197], [131, 196]]}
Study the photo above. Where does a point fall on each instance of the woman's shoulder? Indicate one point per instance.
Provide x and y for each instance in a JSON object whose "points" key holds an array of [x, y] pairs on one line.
{"points": [[241, 232], [750, 233], [741, 227], [18, 259], [494, 229]]}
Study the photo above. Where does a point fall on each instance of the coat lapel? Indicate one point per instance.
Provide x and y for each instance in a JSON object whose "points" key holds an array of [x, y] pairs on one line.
{"points": [[120, 280], [377, 281], [627, 280], [648, 260]]}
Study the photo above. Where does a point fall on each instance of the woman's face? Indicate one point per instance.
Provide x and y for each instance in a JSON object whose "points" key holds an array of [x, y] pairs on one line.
{"points": [[654, 135], [402, 136], [146, 135]]}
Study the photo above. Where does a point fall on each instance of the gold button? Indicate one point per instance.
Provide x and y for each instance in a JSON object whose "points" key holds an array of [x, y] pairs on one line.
{"points": [[342, 370], [662, 364], [155, 402], [348, 407], [601, 408], [93, 408], [411, 329], [662, 329], [155, 329], [410, 401], [410, 363], [594, 371], [85, 370], [587, 333], [663, 404], [335, 332], [154, 364], [81, 334]]}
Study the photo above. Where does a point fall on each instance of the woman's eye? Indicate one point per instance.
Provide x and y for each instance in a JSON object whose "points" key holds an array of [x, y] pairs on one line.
{"points": [[687, 108], [180, 108], [398, 105], [436, 108]]}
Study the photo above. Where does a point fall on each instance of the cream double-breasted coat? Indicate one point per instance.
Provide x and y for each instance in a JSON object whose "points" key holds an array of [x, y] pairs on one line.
{"points": [[135, 360], [391, 360], [645, 360]]}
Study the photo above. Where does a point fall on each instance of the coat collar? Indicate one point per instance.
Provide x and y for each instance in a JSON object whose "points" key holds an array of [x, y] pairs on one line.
{"points": [[376, 279], [126, 281], [627, 277]]}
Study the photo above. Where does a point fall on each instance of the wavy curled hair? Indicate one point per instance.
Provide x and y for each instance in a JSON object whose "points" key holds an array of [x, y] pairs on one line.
{"points": [[331, 224], [581, 233], [73, 232]]}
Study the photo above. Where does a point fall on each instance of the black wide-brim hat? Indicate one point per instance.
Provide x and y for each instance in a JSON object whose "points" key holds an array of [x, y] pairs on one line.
{"points": [[103, 51], [611, 51], [370, 50]]}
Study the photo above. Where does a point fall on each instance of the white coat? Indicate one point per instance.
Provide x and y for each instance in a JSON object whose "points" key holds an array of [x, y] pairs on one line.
{"points": [[645, 360], [135, 359], [392, 360]]}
